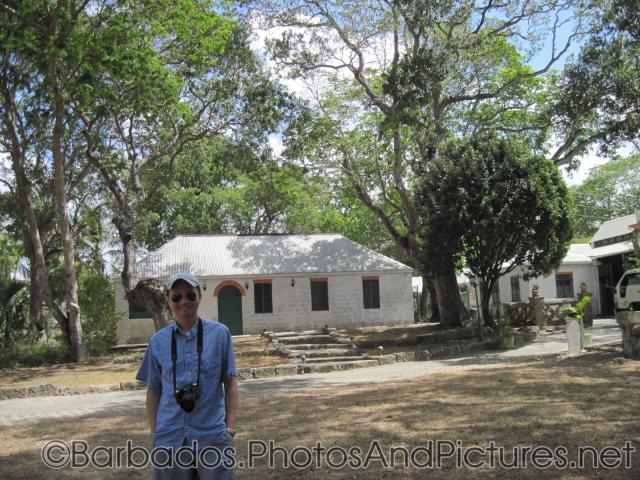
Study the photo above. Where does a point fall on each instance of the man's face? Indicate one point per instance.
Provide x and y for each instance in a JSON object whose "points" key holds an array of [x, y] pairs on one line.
{"points": [[184, 300]]}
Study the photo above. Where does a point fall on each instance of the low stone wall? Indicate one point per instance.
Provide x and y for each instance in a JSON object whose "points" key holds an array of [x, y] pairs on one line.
{"points": [[48, 390], [630, 324]]}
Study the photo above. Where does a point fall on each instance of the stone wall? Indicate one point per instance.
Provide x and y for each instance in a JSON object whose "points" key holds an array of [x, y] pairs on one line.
{"points": [[539, 312]]}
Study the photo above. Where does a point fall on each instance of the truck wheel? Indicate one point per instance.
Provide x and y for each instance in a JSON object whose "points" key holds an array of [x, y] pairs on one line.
{"points": [[635, 306]]}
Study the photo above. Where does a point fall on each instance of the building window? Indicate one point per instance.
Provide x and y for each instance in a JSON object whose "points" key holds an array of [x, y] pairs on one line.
{"points": [[135, 314], [515, 289], [371, 292], [495, 294], [319, 294], [564, 285], [262, 297]]}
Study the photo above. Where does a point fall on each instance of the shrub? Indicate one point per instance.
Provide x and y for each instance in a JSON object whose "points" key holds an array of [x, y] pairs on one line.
{"points": [[34, 355], [97, 311]]}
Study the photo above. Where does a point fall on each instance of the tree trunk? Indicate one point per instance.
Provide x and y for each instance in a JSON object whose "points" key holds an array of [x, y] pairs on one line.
{"points": [[452, 312], [76, 350], [36, 296], [485, 293], [39, 276], [428, 302], [152, 295], [149, 294]]}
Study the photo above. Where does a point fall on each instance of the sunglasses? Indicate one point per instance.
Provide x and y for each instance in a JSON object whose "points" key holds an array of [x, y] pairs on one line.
{"points": [[191, 296]]}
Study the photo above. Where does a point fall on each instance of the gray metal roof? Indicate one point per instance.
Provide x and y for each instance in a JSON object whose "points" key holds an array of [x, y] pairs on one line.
{"points": [[616, 227], [578, 253], [231, 255]]}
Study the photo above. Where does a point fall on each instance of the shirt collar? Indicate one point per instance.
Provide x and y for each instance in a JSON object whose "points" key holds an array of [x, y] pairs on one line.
{"points": [[187, 333]]}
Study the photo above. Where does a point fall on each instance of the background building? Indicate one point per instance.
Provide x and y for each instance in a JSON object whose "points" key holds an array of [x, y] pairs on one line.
{"points": [[278, 283]]}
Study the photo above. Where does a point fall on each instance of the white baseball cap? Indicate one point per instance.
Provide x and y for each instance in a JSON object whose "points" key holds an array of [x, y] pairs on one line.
{"points": [[185, 277]]}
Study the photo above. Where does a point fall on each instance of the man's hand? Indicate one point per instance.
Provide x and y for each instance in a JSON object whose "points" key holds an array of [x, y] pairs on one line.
{"points": [[231, 401]]}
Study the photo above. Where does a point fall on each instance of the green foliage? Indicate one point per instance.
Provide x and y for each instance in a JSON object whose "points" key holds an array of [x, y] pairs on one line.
{"points": [[14, 312], [611, 190], [490, 200], [599, 95], [10, 253], [34, 355], [97, 304], [14, 297]]}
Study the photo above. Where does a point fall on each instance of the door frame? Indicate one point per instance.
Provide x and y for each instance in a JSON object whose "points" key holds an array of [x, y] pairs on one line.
{"points": [[240, 288]]}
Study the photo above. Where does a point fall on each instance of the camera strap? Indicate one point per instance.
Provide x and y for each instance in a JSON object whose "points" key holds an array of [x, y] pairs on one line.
{"points": [[174, 351]]}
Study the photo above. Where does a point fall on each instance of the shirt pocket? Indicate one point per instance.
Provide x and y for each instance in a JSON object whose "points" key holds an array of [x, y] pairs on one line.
{"points": [[210, 368]]}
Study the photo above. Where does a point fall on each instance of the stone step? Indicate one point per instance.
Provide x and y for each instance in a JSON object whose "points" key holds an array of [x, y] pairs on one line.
{"points": [[353, 358], [296, 334], [306, 339], [317, 346], [445, 336], [328, 353]]}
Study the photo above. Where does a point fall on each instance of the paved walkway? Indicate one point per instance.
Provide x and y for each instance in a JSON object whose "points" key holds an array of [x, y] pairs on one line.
{"points": [[113, 403]]}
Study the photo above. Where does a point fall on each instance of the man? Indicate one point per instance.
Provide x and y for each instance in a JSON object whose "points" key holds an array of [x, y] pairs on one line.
{"points": [[185, 367]]}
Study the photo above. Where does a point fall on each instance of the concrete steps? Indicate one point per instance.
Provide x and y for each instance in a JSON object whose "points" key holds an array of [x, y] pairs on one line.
{"points": [[315, 346], [301, 333], [327, 353], [319, 346], [307, 339]]}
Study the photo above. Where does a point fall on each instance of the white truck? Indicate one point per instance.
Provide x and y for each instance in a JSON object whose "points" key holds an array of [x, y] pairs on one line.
{"points": [[627, 294]]}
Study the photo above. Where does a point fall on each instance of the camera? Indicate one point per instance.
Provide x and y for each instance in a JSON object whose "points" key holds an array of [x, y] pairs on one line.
{"points": [[188, 396]]}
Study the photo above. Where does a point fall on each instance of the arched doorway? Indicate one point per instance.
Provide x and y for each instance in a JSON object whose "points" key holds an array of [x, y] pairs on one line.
{"points": [[230, 308]]}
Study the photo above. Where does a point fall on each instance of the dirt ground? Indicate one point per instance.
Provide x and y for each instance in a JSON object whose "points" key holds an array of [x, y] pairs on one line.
{"points": [[250, 351], [591, 400]]}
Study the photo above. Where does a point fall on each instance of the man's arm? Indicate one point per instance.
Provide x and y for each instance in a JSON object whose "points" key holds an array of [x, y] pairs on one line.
{"points": [[153, 399], [231, 400]]}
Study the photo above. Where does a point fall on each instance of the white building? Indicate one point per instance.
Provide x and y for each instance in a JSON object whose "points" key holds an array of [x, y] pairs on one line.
{"points": [[598, 264], [278, 283]]}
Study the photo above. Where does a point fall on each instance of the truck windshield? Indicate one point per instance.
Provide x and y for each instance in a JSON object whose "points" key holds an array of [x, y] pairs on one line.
{"points": [[631, 279]]}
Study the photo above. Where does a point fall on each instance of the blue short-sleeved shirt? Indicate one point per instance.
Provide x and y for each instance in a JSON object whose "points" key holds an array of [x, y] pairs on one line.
{"points": [[206, 423]]}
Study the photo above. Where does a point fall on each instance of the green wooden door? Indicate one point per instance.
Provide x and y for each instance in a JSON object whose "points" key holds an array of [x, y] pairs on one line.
{"points": [[230, 309]]}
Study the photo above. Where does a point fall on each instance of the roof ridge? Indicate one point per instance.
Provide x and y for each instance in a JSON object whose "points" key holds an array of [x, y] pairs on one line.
{"points": [[253, 235], [619, 218]]}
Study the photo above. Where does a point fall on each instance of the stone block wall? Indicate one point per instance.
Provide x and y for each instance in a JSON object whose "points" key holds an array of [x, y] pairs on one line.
{"points": [[292, 305]]}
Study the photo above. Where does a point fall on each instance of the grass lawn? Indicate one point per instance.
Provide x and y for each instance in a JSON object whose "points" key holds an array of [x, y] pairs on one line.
{"points": [[588, 400]]}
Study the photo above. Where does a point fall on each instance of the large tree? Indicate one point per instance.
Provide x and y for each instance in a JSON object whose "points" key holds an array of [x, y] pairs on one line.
{"points": [[610, 190], [37, 38], [396, 79], [490, 201], [598, 99], [162, 78]]}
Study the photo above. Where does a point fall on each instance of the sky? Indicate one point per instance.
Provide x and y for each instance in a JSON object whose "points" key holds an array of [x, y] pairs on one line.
{"points": [[576, 177]]}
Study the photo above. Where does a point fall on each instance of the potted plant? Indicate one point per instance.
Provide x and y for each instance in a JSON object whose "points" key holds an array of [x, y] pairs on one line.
{"points": [[587, 335], [578, 314]]}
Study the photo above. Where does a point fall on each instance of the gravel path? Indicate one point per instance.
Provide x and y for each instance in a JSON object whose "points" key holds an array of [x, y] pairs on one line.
{"points": [[37, 409]]}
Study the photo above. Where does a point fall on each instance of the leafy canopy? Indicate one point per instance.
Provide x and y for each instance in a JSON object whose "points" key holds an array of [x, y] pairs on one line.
{"points": [[489, 199]]}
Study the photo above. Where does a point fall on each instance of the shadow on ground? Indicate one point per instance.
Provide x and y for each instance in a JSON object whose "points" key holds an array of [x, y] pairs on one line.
{"points": [[589, 400]]}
